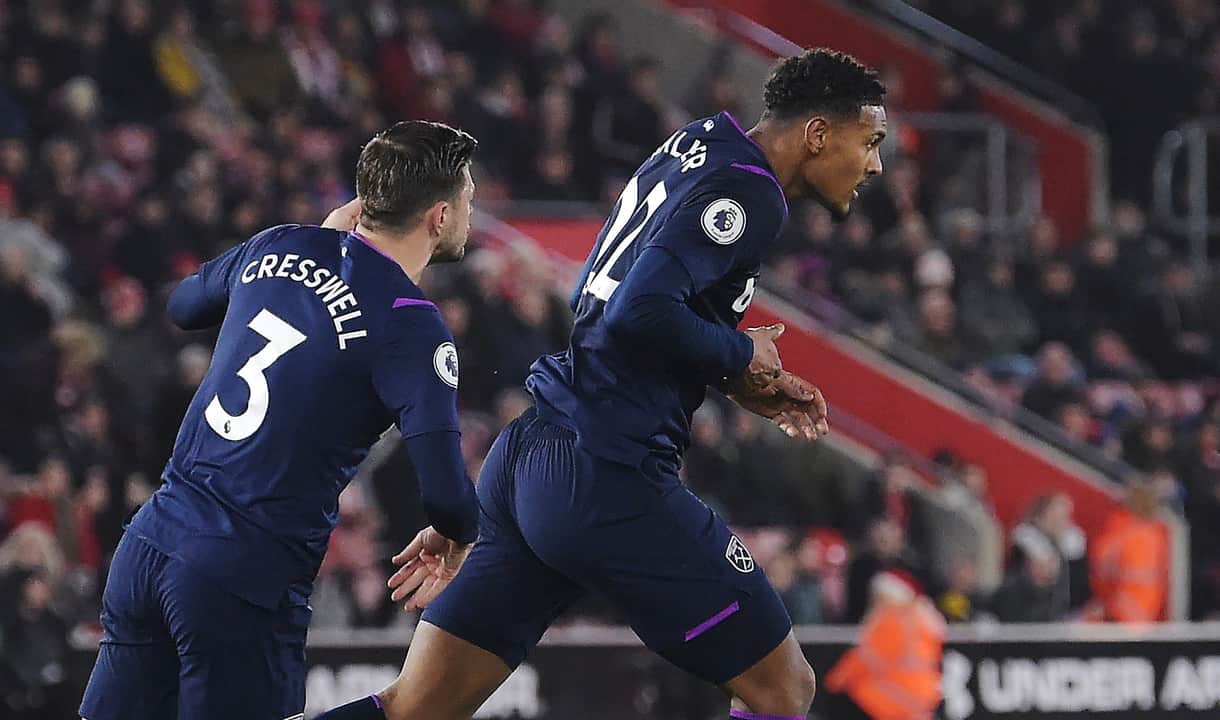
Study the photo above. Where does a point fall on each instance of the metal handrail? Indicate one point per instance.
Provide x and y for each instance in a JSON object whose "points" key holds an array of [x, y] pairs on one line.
{"points": [[997, 137], [1198, 224]]}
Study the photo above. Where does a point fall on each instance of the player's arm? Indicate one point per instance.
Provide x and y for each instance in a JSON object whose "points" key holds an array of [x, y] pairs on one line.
{"points": [[200, 300], [416, 379], [696, 248], [574, 300], [652, 305], [708, 250]]}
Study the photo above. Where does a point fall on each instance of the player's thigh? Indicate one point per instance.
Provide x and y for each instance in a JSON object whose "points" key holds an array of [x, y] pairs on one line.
{"points": [[443, 678], [504, 597], [139, 682], [687, 585], [237, 661], [135, 674]]}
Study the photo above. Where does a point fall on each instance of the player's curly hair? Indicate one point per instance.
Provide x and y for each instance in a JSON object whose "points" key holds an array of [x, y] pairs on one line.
{"points": [[821, 81], [407, 168]]}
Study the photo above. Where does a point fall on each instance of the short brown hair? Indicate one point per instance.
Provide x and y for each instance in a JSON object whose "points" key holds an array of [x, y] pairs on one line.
{"points": [[408, 167]]}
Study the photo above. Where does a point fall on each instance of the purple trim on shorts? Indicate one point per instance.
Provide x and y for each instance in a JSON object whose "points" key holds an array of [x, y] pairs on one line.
{"points": [[711, 622], [375, 249], [410, 302], [762, 171], [743, 715], [377, 701]]}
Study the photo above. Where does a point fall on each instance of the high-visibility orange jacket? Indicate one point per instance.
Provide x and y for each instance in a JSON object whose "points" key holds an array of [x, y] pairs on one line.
{"points": [[893, 673], [1129, 568]]}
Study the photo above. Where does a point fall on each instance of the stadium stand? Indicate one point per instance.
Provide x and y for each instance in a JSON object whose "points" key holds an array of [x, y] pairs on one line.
{"points": [[139, 138]]}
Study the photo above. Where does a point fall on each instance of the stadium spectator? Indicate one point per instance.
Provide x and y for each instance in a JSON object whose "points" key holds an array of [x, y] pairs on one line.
{"points": [[961, 600], [1048, 529], [1199, 467], [35, 666], [1130, 562], [994, 313], [1056, 384], [254, 61], [893, 672], [886, 549], [1031, 591], [137, 139]]}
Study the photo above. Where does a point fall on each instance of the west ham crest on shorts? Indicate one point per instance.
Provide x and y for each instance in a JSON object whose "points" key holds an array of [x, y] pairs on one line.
{"points": [[738, 556]]}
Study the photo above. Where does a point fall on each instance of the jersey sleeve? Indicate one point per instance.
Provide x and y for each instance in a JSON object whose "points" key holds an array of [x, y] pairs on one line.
{"points": [[200, 300], [415, 372], [416, 377], [731, 217]]}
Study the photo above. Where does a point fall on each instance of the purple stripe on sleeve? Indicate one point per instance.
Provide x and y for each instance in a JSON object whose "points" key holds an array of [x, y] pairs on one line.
{"points": [[743, 715], [408, 302], [761, 171], [376, 701], [374, 248], [711, 622]]}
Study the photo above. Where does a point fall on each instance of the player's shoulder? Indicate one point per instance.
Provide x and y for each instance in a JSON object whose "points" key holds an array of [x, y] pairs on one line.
{"points": [[291, 235], [730, 198], [411, 315], [296, 231], [737, 166]]}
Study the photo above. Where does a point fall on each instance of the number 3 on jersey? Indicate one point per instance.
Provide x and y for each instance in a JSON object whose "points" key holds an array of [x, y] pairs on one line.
{"points": [[281, 337], [600, 285]]}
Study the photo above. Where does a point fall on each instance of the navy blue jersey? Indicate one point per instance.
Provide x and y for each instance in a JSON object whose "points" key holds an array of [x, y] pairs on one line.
{"points": [[709, 198], [325, 343]]}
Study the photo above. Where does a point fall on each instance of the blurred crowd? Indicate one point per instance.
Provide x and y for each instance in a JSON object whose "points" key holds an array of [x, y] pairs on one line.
{"points": [[139, 138], [1107, 338], [1145, 66]]}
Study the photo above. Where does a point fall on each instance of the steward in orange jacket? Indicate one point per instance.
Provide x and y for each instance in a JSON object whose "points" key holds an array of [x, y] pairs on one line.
{"points": [[893, 673], [1129, 562]]}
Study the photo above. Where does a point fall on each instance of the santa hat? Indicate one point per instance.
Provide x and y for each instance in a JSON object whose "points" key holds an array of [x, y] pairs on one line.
{"points": [[896, 585]]}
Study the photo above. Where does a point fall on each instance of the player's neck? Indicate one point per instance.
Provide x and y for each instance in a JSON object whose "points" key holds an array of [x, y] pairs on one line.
{"points": [[773, 141], [411, 250]]}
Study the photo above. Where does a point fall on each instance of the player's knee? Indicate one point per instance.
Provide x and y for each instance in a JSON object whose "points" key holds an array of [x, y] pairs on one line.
{"points": [[798, 685], [805, 685], [788, 689]]}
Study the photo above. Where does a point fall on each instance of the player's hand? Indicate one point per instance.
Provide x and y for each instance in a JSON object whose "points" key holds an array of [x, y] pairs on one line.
{"points": [[765, 367], [343, 217], [429, 564], [794, 404]]}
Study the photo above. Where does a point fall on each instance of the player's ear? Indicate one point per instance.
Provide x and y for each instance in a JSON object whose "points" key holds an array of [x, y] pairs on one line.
{"points": [[816, 129], [436, 216]]}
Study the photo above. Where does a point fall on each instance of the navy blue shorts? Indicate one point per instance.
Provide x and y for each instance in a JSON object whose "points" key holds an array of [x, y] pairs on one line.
{"points": [[178, 646], [558, 522]]}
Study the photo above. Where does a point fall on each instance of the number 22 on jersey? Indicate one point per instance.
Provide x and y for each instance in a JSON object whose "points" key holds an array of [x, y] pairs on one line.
{"points": [[281, 337]]}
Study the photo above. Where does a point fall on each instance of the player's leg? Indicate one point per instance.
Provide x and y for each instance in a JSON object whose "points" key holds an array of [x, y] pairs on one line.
{"points": [[490, 616], [689, 588], [136, 672], [238, 661], [780, 685], [443, 677]]}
